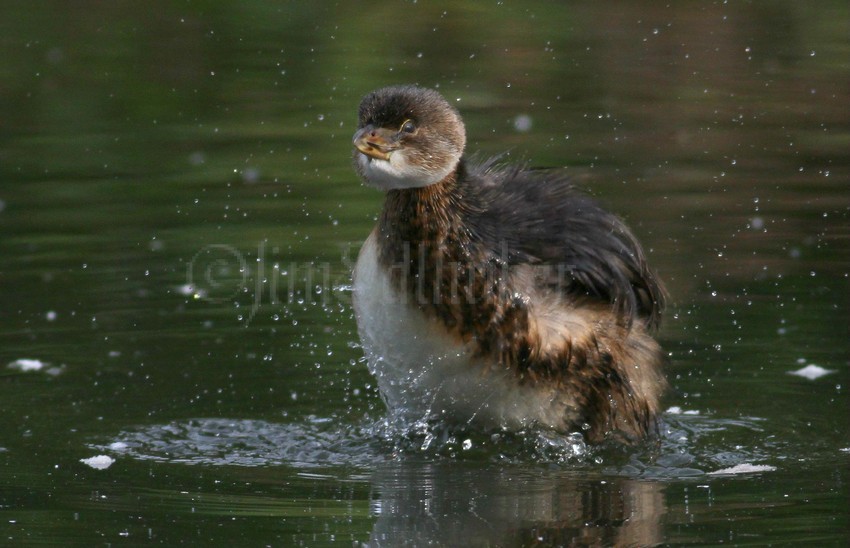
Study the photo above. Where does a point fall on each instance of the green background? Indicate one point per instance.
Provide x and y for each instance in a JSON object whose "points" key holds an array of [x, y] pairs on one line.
{"points": [[146, 146]]}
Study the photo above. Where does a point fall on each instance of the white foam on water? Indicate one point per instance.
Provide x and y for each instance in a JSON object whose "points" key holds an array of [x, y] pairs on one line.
{"points": [[99, 462], [811, 372], [26, 365], [744, 468]]}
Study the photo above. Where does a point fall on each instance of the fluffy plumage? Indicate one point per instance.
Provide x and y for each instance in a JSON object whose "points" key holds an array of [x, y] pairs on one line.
{"points": [[498, 295]]}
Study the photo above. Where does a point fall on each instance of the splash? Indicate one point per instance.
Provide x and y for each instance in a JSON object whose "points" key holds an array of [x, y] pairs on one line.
{"points": [[689, 445], [314, 443]]}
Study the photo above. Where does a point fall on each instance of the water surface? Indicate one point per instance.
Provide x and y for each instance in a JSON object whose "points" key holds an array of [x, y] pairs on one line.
{"points": [[178, 219]]}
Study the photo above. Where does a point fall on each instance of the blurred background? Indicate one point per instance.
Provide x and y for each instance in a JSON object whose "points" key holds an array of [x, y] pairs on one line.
{"points": [[179, 216]]}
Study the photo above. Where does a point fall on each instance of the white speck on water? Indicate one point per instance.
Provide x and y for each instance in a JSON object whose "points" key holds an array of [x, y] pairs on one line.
{"points": [[756, 223], [811, 372], [676, 410], [743, 469], [467, 444], [189, 290], [99, 462], [118, 446], [51, 316], [26, 365]]}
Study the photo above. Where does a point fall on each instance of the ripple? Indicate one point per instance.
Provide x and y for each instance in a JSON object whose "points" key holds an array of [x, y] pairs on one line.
{"points": [[316, 443], [688, 446], [694, 445]]}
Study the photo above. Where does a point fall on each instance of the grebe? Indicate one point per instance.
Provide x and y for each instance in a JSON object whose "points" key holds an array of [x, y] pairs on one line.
{"points": [[497, 296]]}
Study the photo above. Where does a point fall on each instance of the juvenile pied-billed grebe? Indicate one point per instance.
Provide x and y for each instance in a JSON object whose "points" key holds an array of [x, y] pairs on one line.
{"points": [[495, 295]]}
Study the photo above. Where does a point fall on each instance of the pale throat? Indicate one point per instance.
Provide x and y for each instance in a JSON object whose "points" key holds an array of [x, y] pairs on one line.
{"points": [[399, 173]]}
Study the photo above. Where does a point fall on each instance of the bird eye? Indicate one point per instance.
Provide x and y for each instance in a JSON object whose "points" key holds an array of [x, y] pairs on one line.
{"points": [[408, 126]]}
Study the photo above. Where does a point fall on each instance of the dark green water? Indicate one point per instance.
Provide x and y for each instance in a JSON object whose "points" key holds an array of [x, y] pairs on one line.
{"points": [[178, 218]]}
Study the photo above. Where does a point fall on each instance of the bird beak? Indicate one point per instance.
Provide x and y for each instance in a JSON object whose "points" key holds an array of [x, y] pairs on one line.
{"points": [[376, 142]]}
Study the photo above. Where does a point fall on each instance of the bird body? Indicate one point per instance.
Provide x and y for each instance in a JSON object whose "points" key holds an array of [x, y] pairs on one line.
{"points": [[497, 296]]}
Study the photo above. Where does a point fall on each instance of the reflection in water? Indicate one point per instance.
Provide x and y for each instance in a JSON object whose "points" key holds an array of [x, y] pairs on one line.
{"points": [[516, 490], [133, 138], [450, 505], [416, 500]]}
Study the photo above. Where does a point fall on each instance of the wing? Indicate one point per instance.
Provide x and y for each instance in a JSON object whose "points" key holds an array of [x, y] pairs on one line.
{"points": [[538, 217]]}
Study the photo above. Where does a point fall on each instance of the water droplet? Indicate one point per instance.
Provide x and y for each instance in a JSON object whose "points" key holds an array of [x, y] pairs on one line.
{"points": [[523, 123]]}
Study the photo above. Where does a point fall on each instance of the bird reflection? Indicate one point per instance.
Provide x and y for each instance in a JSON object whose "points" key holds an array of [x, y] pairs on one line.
{"points": [[427, 503]]}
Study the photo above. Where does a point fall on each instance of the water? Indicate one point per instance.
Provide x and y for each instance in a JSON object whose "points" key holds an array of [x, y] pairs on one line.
{"points": [[178, 219]]}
